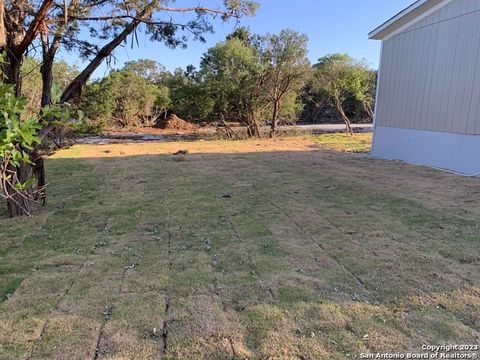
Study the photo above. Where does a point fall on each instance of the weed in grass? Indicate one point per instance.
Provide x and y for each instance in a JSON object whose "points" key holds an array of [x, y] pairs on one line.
{"points": [[207, 244]]}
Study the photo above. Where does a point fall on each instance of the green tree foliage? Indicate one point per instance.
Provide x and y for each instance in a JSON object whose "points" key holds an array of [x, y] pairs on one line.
{"points": [[150, 70], [63, 74], [239, 80], [245, 78], [291, 108], [232, 71], [98, 102], [287, 70], [343, 84], [161, 20], [190, 97], [32, 83], [18, 135], [123, 98], [163, 100]]}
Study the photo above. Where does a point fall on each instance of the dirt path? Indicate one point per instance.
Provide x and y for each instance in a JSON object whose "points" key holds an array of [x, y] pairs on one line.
{"points": [[149, 134]]}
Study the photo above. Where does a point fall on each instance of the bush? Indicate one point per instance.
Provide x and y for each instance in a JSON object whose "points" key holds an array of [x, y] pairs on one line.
{"points": [[123, 98]]}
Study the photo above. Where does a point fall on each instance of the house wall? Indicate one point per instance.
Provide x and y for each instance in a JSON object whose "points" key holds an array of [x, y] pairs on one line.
{"points": [[450, 151], [430, 73]]}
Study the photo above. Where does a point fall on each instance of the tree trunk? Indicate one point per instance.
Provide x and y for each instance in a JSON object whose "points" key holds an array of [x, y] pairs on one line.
{"points": [[344, 117], [252, 129], [47, 81], [228, 130], [21, 202], [13, 21], [75, 87], [3, 30], [276, 108], [368, 109], [11, 70], [48, 57], [14, 42], [38, 169], [256, 129]]}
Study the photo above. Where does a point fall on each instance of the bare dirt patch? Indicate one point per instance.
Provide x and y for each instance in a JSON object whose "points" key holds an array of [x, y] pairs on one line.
{"points": [[173, 122], [338, 142]]}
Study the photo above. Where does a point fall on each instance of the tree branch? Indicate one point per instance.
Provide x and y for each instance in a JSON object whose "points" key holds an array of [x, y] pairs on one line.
{"points": [[3, 30], [34, 28], [200, 9], [73, 89], [130, 17]]}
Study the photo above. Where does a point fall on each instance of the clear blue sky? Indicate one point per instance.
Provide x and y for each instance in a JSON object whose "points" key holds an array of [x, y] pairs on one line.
{"points": [[331, 25]]}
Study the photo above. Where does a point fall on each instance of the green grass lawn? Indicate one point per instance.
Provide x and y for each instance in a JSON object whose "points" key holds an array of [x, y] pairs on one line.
{"points": [[239, 252], [359, 143]]}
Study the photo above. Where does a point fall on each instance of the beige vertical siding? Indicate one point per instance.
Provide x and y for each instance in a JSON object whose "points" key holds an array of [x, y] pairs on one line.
{"points": [[430, 73]]}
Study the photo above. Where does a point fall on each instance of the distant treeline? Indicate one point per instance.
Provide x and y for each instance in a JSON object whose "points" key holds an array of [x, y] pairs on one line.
{"points": [[247, 78]]}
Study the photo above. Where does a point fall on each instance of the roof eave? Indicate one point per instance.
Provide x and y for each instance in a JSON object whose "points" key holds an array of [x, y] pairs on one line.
{"points": [[406, 17]]}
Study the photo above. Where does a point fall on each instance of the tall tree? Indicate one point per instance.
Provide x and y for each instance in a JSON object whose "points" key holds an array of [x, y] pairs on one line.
{"points": [[339, 77], [150, 70], [367, 91], [157, 20], [233, 72], [20, 29], [287, 69], [111, 102], [60, 23], [190, 96]]}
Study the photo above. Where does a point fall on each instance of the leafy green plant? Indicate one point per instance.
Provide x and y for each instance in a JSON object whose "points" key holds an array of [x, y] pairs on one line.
{"points": [[21, 166], [114, 102], [59, 118], [17, 138]]}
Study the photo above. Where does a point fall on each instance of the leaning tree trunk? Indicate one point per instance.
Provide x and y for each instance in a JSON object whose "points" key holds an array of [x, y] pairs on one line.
{"points": [[344, 117], [74, 89], [228, 129], [253, 129], [368, 110]]}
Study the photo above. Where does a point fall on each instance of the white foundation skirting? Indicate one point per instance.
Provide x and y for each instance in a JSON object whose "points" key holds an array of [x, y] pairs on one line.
{"points": [[450, 151]]}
